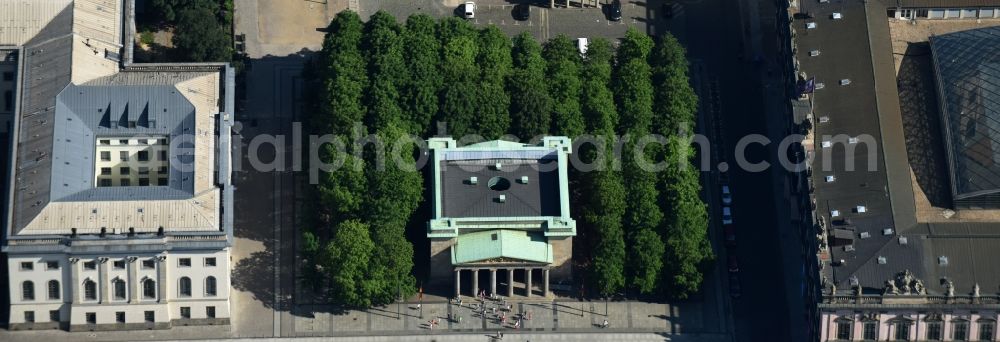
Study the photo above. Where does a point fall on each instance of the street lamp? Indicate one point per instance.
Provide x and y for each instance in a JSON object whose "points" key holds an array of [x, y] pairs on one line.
{"points": [[399, 299]]}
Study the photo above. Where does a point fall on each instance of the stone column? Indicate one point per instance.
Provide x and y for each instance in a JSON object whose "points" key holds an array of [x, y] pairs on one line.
{"points": [[475, 282], [510, 282], [133, 281], [545, 282], [75, 284], [493, 281], [102, 282], [161, 280], [458, 283], [527, 282]]}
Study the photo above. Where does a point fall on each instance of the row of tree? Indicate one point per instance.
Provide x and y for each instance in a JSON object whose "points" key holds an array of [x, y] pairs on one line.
{"points": [[391, 79], [201, 28]]}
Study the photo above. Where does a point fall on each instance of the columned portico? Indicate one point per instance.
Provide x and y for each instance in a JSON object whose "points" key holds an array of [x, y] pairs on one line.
{"points": [[528, 280]]}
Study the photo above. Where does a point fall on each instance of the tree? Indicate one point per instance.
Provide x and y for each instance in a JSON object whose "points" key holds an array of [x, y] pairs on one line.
{"points": [[686, 223], [459, 100], [386, 70], [597, 101], [643, 217], [493, 116], [201, 38], [343, 190], [530, 101], [348, 256], [675, 103], [344, 72], [602, 215], [632, 84], [168, 9], [647, 260], [422, 53], [563, 76]]}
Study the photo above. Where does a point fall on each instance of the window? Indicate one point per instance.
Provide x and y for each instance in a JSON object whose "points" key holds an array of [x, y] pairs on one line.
{"points": [[987, 331], [123, 170], [969, 13], [986, 13], [143, 155], [28, 290], [105, 171], [952, 13], [52, 265], [119, 288], [27, 266], [161, 155], [902, 331], [210, 311], [143, 181], [90, 265], [870, 332], [105, 142], [960, 331], [922, 13], [8, 100], [105, 155], [161, 182], [91, 318], [184, 262], [29, 317], [105, 182], [934, 331], [8, 76], [53, 315], [143, 170], [149, 289], [123, 155], [149, 316], [844, 330], [89, 290], [185, 287], [119, 264], [125, 182], [210, 289], [120, 316], [185, 312], [149, 264], [123, 141], [54, 289], [209, 262]]}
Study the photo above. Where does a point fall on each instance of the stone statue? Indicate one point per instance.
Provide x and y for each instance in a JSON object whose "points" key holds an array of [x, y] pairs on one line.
{"points": [[975, 290], [833, 289], [890, 288], [950, 287], [918, 287]]}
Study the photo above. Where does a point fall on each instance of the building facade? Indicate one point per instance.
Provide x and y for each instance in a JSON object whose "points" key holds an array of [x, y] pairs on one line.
{"points": [[500, 216], [120, 209]]}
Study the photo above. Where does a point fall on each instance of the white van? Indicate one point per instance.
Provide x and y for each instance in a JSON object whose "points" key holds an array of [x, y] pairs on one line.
{"points": [[470, 10]]}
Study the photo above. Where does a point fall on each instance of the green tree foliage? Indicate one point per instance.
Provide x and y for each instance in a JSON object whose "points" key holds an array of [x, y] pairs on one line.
{"points": [[530, 100], [686, 223], [647, 260], [422, 52], [459, 100], [493, 116], [386, 70], [348, 256], [343, 191], [675, 103], [632, 84], [168, 10], [597, 101], [563, 79], [201, 38], [344, 71], [602, 215], [643, 217]]}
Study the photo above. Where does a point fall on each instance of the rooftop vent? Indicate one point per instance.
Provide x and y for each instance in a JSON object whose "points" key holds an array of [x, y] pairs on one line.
{"points": [[824, 119], [502, 198], [524, 179], [834, 213], [849, 248], [942, 261], [860, 209], [902, 240], [854, 281], [498, 166], [473, 180], [830, 179], [827, 144], [852, 140], [887, 231], [493, 236], [865, 235], [881, 260]]}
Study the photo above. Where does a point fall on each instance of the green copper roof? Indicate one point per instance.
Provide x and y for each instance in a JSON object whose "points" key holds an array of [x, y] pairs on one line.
{"points": [[491, 244], [497, 145]]}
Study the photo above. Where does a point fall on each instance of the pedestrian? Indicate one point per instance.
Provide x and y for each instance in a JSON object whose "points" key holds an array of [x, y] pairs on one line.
{"points": [[529, 315], [418, 306], [605, 324]]}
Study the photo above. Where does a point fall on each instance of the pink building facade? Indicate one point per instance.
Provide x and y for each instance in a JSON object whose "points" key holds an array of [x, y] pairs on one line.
{"points": [[844, 321]]}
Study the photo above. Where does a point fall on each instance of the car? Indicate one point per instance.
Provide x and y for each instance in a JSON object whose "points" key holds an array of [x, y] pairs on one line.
{"points": [[522, 12], [581, 44], [727, 215], [734, 265], [470, 10], [727, 198], [734, 285], [615, 11], [730, 233]]}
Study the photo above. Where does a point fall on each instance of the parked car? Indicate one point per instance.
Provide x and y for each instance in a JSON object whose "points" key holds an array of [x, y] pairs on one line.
{"points": [[615, 11], [734, 285], [733, 264], [522, 12], [727, 198], [470, 10], [730, 232], [727, 215], [581, 44]]}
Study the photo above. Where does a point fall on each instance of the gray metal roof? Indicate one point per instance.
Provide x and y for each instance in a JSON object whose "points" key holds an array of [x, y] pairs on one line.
{"points": [[967, 68], [539, 197]]}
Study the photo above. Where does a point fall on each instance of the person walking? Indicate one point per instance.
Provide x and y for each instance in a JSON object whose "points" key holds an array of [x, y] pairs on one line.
{"points": [[605, 325]]}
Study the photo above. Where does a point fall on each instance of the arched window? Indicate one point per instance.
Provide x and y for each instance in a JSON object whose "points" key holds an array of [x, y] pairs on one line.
{"points": [[118, 285], [149, 289], [185, 287], [210, 286], [89, 290], [28, 290], [54, 289]]}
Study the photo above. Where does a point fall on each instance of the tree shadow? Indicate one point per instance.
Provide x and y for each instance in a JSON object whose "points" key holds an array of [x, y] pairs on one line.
{"points": [[255, 274], [918, 104]]}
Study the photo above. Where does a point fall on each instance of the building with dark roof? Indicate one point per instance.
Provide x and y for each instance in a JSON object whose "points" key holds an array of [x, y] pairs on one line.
{"points": [[967, 70], [500, 205], [119, 214]]}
